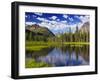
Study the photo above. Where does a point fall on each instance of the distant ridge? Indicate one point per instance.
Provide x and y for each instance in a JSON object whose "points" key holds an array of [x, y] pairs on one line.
{"points": [[36, 30]]}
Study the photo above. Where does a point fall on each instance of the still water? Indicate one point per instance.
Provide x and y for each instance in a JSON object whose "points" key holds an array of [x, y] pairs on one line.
{"points": [[61, 56]]}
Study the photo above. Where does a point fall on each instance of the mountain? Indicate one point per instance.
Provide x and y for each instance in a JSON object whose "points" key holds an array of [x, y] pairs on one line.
{"points": [[36, 31], [85, 27]]}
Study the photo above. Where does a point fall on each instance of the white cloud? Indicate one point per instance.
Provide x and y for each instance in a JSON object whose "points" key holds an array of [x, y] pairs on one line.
{"points": [[65, 16], [55, 26], [44, 24], [61, 26], [58, 20], [76, 16], [53, 17], [29, 23], [26, 16], [84, 18], [64, 21], [37, 13], [53, 22], [71, 19], [42, 19]]}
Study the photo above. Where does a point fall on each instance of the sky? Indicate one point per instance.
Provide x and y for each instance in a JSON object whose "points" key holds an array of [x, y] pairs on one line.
{"points": [[57, 23]]}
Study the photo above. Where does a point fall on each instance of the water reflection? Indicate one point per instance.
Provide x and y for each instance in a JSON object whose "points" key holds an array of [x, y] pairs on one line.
{"points": [[61, 56]]}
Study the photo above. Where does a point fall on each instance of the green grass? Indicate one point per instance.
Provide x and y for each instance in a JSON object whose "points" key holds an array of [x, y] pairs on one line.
{"points": [[40, 43], [77, 43], [31, 63], [37, 46], [46, 44]]}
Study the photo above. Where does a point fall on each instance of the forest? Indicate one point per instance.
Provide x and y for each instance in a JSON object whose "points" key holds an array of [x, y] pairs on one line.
{"points": [[41, 37]]}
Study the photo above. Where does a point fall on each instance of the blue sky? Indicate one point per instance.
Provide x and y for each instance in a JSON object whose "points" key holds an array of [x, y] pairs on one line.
{"points": [[57, 23]]}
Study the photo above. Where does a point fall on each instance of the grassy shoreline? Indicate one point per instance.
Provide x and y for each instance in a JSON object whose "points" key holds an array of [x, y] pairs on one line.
{"points": [[31, 63], [36, 46], [48, 43]]}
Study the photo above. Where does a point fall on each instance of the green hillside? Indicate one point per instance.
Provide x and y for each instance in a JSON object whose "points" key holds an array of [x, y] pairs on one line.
{"points": [[37, 33]]}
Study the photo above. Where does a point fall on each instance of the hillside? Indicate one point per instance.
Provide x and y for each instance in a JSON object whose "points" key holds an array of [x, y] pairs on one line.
{"points": [[36, 32], [85, 27]]}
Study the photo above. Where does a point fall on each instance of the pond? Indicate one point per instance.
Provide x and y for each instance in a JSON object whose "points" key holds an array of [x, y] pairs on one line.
{"points": [[69, 55]]}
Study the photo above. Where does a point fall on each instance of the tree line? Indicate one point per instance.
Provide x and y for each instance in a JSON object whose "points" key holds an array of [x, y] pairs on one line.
{"points": [[77, 36]]}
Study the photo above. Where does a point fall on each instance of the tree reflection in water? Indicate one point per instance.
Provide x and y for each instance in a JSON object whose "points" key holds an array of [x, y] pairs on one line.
{"points": [[61, 56]]}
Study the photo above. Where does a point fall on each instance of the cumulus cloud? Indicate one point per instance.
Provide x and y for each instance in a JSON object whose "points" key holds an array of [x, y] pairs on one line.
{"points": [[37, 13], [55, 26], [53, 22], [45, 24], [58, 20], [53, 17], [71, 19], [30, 23], [65, 16], [64, 21], [59, 25], [83, 18], [42, 19], [26, 16]]}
